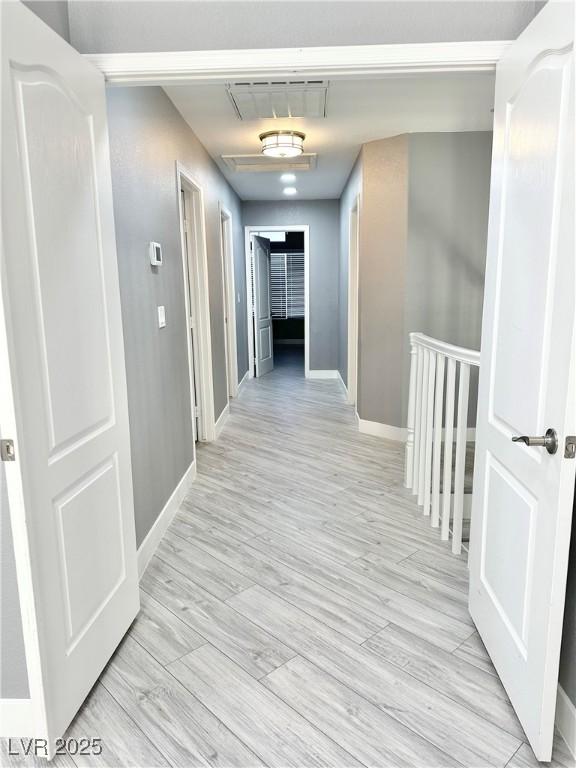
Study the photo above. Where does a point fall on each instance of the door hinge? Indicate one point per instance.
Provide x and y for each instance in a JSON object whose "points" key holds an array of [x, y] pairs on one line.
{"points": [[7, 452], [196, 411], [570, 447]]}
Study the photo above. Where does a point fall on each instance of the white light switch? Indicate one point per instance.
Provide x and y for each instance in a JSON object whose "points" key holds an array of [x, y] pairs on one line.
{"points": [[161, 317]]}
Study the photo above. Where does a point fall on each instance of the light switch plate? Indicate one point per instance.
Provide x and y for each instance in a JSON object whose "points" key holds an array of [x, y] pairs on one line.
{"points": [[161, 316], [155, 253]]}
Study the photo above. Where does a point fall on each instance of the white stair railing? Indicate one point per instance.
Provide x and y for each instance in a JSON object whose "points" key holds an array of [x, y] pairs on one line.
{"points": [[432, 403]]}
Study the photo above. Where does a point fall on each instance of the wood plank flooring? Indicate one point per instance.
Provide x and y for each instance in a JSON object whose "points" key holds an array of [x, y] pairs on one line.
{"points": [[301, 612]]}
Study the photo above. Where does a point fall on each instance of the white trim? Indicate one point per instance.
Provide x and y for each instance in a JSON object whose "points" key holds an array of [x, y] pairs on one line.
{"points": [[155, 534], [222, 419], [195, 274], [343, 61], [376, 429], [229, 298], [399, 434], [316, 373], [461, 354], [566, 719], [353, 285], [16, 718], [252, 229], [243, 381]]}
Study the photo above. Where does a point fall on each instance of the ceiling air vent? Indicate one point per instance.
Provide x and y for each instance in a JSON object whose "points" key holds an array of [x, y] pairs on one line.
{"points": [[260, 163], [279, 98]]}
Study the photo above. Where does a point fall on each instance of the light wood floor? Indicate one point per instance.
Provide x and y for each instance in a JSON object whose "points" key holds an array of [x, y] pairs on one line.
{"points": [[300, 612]]}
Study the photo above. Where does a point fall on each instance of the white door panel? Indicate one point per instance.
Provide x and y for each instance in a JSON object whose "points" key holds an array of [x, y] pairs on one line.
{"points": [[64, 333], [263, 315], [522, 504]]}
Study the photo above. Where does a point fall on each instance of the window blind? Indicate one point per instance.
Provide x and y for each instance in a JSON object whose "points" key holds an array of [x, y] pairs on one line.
{"points": [[287, 285]]}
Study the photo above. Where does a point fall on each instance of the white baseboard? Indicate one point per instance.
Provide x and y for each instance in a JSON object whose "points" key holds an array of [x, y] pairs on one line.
{"points": [[341, 380], [318, 374], [566, 719], [377, 429], [16, 718], [222, 419], [155, 534]]}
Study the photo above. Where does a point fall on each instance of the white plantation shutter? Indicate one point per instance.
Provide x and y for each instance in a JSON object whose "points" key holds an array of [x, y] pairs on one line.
{"points": [[287, 285], [295, 285], [278, 284]]}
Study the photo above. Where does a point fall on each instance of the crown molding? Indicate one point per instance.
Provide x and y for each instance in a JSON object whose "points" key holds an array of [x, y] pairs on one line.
{"points": [[166, 68]]}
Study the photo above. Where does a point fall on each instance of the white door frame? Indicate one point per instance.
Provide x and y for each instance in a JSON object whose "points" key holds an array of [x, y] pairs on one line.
{"points": [[353, 275], [255, 230], [195, 280], [229, 299], [333, 62]]}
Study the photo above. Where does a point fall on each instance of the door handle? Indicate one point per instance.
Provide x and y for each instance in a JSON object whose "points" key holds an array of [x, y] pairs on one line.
{"points": [[548, 441]]}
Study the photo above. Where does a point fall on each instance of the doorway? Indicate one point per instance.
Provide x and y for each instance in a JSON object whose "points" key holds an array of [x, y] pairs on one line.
{"points": [[289, 294], [353, 251], [229, 300], [195, 275]]}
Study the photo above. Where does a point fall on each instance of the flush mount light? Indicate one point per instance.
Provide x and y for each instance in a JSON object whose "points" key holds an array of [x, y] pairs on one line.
{"points": [[288, 178], [282, 143], [290, 191]]}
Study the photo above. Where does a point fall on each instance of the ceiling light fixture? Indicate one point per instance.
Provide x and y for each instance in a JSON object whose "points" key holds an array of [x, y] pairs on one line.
{"points": [[282, 143], [288, 178], [290, 191]]}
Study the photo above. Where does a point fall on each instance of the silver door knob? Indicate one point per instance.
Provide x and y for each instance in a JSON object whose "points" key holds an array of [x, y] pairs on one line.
{"points": [[548, 441]]}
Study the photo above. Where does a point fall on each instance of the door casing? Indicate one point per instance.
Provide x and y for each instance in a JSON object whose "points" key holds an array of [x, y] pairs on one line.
{"points": [[353, 283], [229, 299], [255, 230], [196, 297]]}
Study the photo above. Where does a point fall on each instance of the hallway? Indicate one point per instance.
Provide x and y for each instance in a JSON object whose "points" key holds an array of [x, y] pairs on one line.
{"points": [[300, 612]]}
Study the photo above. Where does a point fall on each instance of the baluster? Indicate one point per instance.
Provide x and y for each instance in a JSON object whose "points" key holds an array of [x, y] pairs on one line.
{"points": [[437, 454], [428, 438], [422, 427], [448, 438], [417, 412], [461, 429], [409, 460]]}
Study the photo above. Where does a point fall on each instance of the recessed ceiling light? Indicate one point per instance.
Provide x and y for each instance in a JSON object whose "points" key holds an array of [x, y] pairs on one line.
{"points": [[282, 143], [290, 191], [288, 178]]}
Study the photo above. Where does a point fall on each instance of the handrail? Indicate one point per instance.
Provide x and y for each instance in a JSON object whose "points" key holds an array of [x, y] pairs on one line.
{"points": [[462, 354], [437, 431]]}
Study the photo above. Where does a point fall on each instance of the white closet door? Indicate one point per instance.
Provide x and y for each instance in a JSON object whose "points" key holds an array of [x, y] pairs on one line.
{"points": [[64, 402], [523, 494], [263, 338]]}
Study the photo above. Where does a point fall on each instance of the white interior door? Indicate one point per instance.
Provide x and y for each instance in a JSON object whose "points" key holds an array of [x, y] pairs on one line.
{"points": [[263, 340], [522, 505], [70, 485]]}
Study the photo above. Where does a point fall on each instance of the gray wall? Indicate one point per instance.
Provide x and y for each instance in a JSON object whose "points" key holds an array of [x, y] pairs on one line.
{"points": [[351, 190], [177, 26], [448, 197], [423, 224], [13, 674], [322, 216], [382, 275], [54, 13], [147, 137]]}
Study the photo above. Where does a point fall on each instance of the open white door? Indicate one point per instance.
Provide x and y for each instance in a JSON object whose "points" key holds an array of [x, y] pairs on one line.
{"points": [[523, 495], [64, 401], [263, 340]]}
